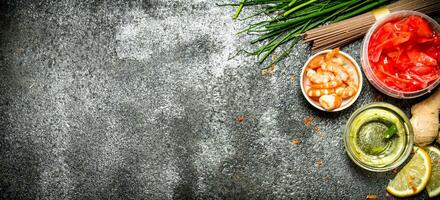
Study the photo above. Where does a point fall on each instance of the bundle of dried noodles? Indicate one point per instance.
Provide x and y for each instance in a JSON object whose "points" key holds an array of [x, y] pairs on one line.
{"points": [[346, 31]]}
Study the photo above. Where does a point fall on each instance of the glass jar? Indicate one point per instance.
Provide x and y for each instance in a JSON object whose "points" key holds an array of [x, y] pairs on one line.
{"points": [[365, 141]]}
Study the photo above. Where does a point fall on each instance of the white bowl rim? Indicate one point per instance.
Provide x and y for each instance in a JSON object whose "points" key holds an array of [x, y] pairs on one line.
{"points": [[353, 99]]}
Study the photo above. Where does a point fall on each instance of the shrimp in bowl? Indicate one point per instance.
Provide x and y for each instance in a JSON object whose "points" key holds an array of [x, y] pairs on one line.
{"points": [[331, 80]]}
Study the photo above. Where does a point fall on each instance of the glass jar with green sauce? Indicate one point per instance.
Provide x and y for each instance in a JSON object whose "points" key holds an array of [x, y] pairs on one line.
{"points": [[378, 137]]}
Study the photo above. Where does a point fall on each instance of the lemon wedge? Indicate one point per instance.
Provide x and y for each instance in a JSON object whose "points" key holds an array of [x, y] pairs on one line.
{"points": [[413, 177], [433, 186]]}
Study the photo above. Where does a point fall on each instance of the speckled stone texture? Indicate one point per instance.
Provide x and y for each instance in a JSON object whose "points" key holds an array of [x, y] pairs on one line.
{"points": [[138, 100]]}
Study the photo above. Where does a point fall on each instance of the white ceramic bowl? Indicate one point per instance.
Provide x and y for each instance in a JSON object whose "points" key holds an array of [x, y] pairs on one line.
{"points": [[346, 103]]}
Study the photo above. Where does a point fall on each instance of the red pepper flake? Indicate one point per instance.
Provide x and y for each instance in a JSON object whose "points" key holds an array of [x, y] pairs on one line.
{"points": [[296, 141], [371, 196], [308, 120], [411, 183], [377, 98], [268, 71], [414, 189], [240, 119], [317, 129], [318, 163], [271, 69]]}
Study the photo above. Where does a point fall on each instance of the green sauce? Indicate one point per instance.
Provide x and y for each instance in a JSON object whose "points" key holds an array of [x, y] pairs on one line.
{"points": [[371, 140], [368, 142]]}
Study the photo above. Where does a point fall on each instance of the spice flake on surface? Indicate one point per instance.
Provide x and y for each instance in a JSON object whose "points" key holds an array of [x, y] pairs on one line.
{"points": [[308, 121], [240, 119], [317, 130], [377, 98], [271, 69], [371, 196], [318, 163], [296, 141]]}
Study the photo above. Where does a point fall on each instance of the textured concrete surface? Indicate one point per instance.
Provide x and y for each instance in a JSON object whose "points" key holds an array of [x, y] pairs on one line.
{"points": [[138, 100]]}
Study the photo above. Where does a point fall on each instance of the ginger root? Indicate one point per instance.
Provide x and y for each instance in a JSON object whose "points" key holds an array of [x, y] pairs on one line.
{"points": [[425, 120]]}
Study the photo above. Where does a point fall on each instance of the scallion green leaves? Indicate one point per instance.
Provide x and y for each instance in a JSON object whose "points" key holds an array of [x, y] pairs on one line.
{"points": [[289, 19]]}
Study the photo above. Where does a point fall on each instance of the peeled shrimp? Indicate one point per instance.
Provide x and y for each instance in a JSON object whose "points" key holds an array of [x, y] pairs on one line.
{"points": [[350, 70], [329, 56], [347, 91], [318, 77], [332, 66], [337, 70], [332, 79], [317, 92], [325, 73], [330, 102], [338, 60], [331, 84], [316, 62]]}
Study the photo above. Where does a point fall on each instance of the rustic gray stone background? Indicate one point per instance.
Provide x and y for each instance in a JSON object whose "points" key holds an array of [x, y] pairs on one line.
{"points": [[138, 100]]}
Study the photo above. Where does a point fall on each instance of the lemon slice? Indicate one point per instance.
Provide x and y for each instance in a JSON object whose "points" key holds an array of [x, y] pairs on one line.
{"points": [[413, 178], [433, 186]]}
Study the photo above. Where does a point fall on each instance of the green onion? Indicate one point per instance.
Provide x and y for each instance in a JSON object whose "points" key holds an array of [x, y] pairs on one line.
{"points": [[298, 7], [392, 130], [287, 20], [238, 11]]}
